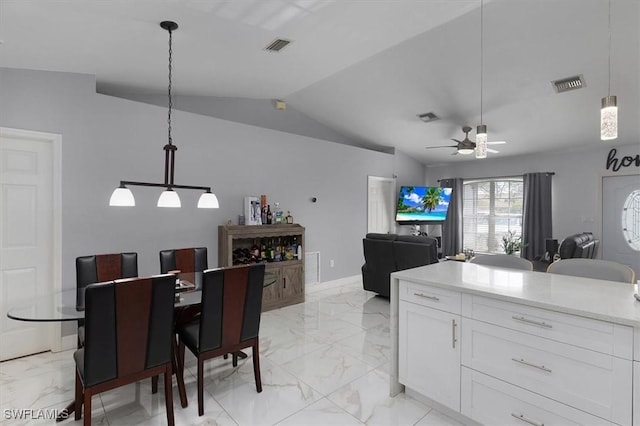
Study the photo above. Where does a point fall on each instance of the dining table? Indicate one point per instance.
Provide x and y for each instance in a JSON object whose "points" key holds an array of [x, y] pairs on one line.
{"points": [[68, 305]]}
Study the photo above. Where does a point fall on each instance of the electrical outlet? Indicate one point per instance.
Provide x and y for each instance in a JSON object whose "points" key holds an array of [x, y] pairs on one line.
{"points": [[332, 263]]}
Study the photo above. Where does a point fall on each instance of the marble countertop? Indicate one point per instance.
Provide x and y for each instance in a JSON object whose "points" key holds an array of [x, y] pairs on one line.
{"points": [[598, 299]]}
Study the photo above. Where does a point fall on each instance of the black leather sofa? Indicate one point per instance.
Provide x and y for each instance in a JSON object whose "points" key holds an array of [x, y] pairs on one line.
{"points": [[581, 245], [387, 253]]}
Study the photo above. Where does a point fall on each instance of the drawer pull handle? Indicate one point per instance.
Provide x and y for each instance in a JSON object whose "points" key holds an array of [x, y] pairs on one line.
{"points": [[426, 296], [530, 364], [453, 331], [526, 420], [532, 322]]}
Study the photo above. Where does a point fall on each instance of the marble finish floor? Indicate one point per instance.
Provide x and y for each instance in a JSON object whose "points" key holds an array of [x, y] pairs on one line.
{"points": [[323, 362]]}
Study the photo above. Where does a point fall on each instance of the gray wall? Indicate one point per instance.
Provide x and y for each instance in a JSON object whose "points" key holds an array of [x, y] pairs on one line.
{"points": [[107, 139], [576, 185]]}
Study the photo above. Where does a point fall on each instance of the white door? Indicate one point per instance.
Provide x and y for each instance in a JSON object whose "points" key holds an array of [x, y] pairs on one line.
{"points": [[381, 205], [621, 220], [26, 236]]}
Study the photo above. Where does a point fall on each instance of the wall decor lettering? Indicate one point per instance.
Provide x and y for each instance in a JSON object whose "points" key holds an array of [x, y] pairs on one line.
{"points": [[616, 164]]}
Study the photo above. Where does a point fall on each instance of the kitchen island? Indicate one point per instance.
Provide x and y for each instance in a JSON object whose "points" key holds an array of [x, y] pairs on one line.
{"points": [[504, 346]]}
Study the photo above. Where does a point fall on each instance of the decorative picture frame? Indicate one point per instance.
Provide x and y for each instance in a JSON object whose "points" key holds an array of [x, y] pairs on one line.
{"points": [[252, 210]]}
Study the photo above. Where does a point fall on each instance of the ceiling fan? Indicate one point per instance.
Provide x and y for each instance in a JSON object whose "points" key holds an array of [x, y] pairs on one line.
{"points": [[467, 146]]}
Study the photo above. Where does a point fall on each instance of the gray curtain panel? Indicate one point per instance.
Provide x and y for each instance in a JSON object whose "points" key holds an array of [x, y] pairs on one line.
{"points": [[536, 226], [452, 227]]}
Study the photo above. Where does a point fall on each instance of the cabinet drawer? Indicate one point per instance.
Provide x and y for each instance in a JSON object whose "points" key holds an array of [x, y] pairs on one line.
{"points": [[589, 381], [493, 402], [600, 336], [431, 296]]}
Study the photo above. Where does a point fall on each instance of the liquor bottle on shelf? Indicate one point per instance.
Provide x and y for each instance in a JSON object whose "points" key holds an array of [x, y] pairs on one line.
{"points": [[277, 214], [294, 247], [269, 215], [255, 250], [289, 218], [263, 252]]}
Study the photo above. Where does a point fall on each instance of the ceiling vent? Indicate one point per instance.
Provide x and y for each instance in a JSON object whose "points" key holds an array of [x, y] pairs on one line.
{"points": [[277, 45], [568, 84], [428, 117]]}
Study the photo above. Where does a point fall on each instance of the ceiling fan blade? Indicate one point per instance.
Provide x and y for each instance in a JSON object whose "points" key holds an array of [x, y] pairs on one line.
{"points": [[442, 146], [456, 140], [496, 142], [493, 151]]}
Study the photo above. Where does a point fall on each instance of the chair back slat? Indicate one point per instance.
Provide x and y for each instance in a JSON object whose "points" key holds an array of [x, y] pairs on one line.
{"points": [[185, 260], [253, 304], [109, 267], [133, 308], [100, 361], [235, 295]]}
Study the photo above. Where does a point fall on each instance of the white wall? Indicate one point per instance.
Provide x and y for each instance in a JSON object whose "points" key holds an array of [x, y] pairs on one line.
{"points": [[107, 139], [576, 184]]}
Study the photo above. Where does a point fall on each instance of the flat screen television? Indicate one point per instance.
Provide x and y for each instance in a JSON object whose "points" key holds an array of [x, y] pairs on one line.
{"points": [[422, 204]]}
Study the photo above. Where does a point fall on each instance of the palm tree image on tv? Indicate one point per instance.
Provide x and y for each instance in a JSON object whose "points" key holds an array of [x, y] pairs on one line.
{"points": [[422, 204]]}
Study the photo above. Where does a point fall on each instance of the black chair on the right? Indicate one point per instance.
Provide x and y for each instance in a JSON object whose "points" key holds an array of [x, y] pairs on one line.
{"points": [[229, 320]]}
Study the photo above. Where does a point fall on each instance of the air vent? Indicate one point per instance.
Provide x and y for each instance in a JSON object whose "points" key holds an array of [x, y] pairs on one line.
{"points": [[568, 84], [277, 45], [428, 117]]}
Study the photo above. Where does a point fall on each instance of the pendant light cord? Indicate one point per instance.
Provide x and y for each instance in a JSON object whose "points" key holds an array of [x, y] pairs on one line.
{"points": [[609, 27], [481, 54], [169, 90]]}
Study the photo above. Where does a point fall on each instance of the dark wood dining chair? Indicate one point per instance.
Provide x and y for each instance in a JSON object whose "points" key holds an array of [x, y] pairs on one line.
{"points": [[99, 268], [192, 259], [229, 320], [129, 337]]}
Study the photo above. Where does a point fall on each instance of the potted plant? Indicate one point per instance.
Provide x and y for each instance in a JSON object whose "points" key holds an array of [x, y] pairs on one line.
{"points": [[511, 243]]}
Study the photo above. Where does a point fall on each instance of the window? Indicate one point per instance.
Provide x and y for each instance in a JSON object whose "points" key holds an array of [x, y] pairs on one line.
{"points": [[491, 208]]}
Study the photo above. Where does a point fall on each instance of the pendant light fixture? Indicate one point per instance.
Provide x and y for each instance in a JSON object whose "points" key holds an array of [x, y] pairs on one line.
{"points": [[609, 104], [481, 130], [122, 195]]}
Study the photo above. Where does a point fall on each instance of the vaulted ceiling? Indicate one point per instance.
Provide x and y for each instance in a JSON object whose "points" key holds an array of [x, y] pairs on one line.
{"points": [[363, 68]]}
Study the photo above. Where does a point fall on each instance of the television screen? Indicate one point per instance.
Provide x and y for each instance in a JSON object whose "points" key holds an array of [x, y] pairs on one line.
{"points": [[422, 204]]}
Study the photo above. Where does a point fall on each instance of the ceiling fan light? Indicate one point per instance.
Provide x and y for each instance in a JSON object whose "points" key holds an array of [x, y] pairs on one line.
{"points": [[122, 197], [609, 118], [481, 141], [465, 151], [208, 200], [169, 198]]}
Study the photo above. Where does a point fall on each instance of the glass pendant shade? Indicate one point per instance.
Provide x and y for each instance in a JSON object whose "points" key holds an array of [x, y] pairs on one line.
{"points": [[208, 200], [169, 198], [122, 197], [481, 141], [609, 118]]}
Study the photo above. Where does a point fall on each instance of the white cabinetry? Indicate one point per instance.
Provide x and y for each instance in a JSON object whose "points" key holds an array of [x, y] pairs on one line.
{"points": [[518, 348], [429, 351], [636, 392]]}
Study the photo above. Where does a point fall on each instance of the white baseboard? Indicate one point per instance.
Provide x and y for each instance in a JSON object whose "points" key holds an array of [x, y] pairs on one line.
{"points": [[67, 343], [332, 284]]}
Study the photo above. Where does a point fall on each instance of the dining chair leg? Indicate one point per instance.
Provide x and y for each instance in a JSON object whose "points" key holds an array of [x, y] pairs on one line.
{"points": [[234, 359], [87, 407], [179, 369], [79, 396], [200, 386], [168, 394], [154, 384], [256, 366]]}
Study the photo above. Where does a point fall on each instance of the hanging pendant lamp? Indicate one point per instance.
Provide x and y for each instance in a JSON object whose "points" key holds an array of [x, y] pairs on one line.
{"points": [[481, 130], [609, 104], [122, 196]]}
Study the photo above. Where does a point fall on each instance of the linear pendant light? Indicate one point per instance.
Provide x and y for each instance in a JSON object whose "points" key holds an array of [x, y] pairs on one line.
{"points": [[122, 196], [481, 130], [609, 104]]}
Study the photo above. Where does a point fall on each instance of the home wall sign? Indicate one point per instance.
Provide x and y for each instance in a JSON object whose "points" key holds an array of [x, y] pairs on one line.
{"points": [[615, 164]]}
